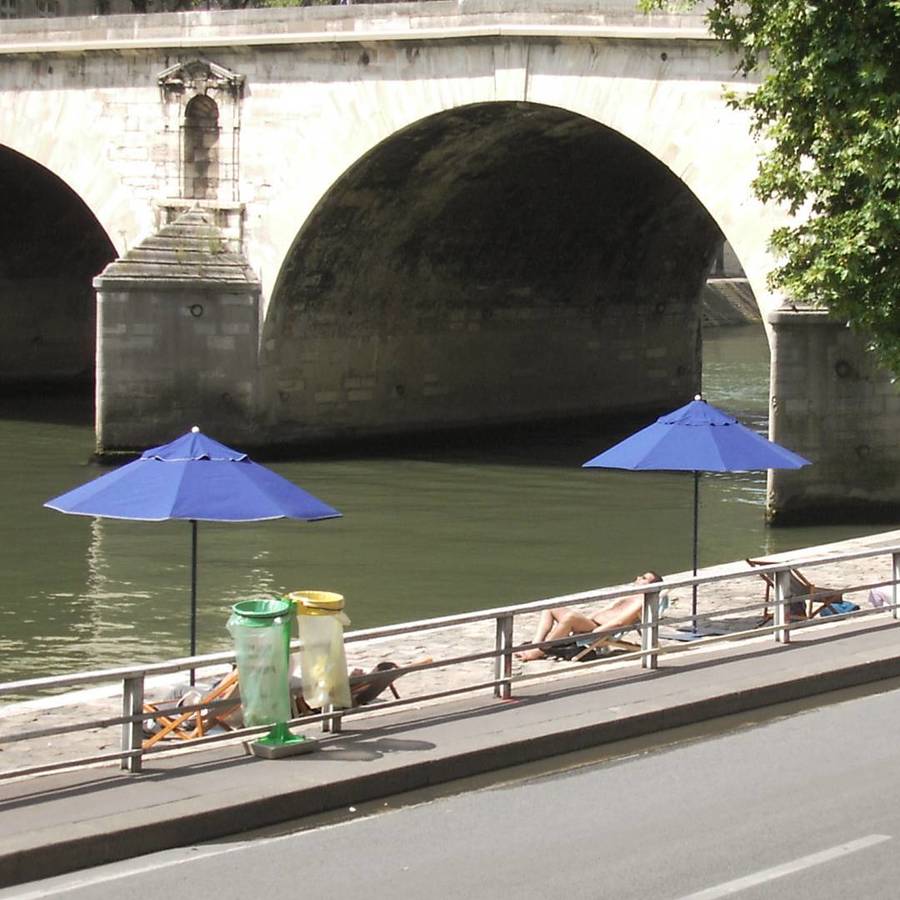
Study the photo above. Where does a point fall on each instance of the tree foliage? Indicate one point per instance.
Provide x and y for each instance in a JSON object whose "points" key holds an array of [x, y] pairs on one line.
{"points": [[828, 106]]}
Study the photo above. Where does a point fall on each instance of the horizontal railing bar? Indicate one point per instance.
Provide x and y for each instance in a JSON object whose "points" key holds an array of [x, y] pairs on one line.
{"points": [[399, 629], [386, 631], [66, 729], [170, 711], [96, 676], [686, 647]]}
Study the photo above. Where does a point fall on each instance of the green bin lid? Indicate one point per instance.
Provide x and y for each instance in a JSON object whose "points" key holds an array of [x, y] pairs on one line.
{"points": [[263, 608]]}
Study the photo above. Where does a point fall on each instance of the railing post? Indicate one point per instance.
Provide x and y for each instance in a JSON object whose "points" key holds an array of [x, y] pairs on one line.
{"points": [[133, 731], [333, 720], [782, 613], [895, 590], [650, 631], [503, 659]]}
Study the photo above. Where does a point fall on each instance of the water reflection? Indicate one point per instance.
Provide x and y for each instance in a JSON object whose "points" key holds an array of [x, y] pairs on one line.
{"points": [[427, 530]]}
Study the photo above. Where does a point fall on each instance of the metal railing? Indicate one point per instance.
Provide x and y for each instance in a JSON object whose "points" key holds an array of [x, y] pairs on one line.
{"points": [[133, 678]]}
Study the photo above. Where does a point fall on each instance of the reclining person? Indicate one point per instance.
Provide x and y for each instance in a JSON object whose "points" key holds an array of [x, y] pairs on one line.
{"points": [[564, 621]]}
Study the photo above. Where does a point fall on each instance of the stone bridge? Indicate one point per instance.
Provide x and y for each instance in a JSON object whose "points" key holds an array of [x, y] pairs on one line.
{"points": [[327, 223]]}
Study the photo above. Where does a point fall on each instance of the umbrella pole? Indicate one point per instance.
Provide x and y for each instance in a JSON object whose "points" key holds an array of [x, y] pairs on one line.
{"points": [[696, 548], [193, 592]]}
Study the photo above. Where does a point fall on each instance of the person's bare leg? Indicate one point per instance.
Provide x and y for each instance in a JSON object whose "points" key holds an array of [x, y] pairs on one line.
{"points": [[546, 621], [566, 622]]}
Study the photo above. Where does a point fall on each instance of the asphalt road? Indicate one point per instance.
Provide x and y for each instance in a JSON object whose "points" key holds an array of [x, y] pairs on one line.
{"points": [[802, 806]]}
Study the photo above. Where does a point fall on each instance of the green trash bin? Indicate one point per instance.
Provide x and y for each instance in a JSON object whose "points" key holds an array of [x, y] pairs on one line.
{"points": [[261, 630]]}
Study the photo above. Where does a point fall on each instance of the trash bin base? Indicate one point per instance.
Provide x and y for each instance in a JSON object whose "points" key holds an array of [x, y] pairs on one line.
{"points": [[272, 750]]}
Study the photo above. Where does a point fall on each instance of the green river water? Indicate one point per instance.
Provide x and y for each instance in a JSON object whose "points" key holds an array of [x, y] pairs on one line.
{"points": [[501, 520]]}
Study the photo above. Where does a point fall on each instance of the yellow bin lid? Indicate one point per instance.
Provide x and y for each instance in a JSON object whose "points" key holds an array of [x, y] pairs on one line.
{"points": [[327, 601]]}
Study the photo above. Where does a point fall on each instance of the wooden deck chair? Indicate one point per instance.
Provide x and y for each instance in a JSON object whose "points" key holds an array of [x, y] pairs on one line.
{"points": [[614, 641], [197, 722], [805, 599]]}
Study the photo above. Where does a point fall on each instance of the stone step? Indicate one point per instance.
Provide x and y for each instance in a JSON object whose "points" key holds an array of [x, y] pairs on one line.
{"points": [[188, 255], [179, 272]]}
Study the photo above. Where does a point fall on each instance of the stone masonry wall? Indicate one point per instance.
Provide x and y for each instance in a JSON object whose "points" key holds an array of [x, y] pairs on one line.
{"points": [[829, 399], [394, 371], [174, 356]]}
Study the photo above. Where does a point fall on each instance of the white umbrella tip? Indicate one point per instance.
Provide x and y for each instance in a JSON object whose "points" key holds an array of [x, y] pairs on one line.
{"points": [[698, 396], [195, 430]]}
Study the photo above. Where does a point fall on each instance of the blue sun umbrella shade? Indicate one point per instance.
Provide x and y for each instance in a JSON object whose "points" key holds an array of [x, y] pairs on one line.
{"points": [[697, 438], [194, 477]]}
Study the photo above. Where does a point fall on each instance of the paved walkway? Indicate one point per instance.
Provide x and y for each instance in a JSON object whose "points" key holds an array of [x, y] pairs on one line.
{"points": [[66, 821]]}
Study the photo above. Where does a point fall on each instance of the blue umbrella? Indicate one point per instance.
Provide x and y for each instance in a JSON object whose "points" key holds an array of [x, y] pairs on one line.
{"points": [[197, 479], [697, 438]]}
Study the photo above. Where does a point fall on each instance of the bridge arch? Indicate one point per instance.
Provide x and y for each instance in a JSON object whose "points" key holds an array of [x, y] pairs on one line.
{"points": [[74, 141], [642, 90], [51, 246], [493, 262]]}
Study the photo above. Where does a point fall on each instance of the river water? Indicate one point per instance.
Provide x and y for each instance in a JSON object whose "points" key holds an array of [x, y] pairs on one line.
{"points": [[502, 519]]}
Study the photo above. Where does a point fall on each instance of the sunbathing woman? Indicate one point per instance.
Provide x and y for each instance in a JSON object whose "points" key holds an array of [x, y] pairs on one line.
{"points": [[563, 621]]}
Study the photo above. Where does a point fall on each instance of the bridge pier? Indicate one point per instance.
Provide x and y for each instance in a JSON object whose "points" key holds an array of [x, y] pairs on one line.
{"points": [[830, 402], [177, 339]]}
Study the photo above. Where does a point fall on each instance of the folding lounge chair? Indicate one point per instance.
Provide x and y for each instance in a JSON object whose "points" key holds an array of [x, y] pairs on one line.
{"points": [[381, 678], [805, 599], [613, 641], [196, 722]]}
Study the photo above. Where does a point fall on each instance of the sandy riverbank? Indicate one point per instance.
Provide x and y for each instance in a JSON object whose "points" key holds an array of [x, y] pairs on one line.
{"points": [[733, 605]]}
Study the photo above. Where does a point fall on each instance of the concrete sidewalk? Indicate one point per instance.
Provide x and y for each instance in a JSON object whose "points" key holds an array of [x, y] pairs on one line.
{"points": [[67, 821]]}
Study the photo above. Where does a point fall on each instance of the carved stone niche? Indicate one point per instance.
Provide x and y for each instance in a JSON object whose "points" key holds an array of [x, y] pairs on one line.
{"points": [[200, 76], [201, 116]]}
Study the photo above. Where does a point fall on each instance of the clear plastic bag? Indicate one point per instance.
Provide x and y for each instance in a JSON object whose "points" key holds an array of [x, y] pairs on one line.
{"points": [[262, 661], [323, 662]]}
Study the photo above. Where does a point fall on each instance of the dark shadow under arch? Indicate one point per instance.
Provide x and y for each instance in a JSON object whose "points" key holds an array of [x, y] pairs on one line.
{"points": [[51, 247], [496, 262]]}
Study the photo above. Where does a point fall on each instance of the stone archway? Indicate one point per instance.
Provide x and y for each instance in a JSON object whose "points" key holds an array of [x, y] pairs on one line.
{"points": [[493, 263], [51, 246]]}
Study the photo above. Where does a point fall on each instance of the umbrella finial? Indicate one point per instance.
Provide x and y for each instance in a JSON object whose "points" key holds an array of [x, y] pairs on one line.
{"points": [[195, 429], [698, 396]]}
